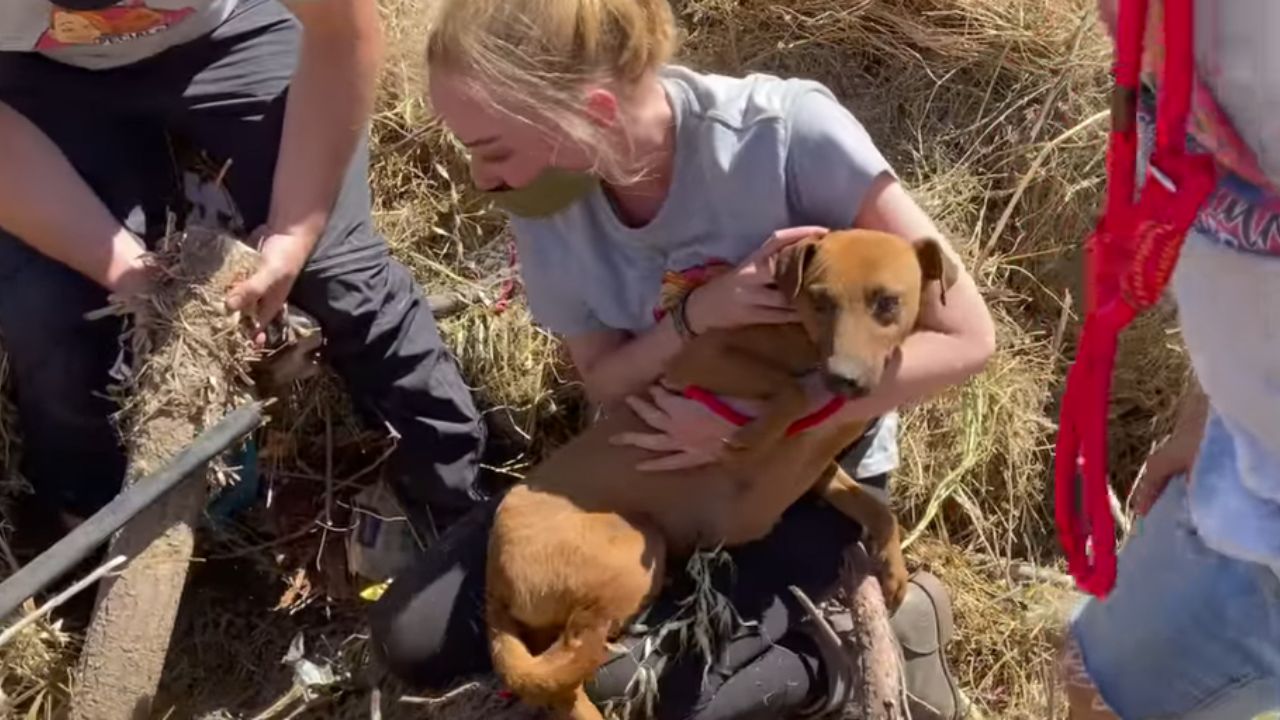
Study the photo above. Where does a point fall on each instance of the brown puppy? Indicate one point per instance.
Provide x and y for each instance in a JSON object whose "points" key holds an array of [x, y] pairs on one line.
{"points": [[578, 549]]}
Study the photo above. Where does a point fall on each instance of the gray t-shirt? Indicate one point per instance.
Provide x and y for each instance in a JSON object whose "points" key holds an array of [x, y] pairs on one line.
{"points": [[1238, 58], [124, 33], [753, 155]]}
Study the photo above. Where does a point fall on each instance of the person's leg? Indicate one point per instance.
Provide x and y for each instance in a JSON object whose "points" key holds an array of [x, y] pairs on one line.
{"points": [[60, 361], [783, 679], [807, 550], [380, 334], [428, 628], [1187, 632]]}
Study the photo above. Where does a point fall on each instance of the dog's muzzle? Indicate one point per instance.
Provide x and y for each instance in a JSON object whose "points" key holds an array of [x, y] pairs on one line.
{"points": [[847, 378]]}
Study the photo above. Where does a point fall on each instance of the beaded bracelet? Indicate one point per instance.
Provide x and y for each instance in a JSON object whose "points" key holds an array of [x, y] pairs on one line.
{"points": [[680, 317]]}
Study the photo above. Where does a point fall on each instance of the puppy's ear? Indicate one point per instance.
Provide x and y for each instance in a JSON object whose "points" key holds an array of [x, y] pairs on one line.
{"points": [[791, 264], [936, 264]]}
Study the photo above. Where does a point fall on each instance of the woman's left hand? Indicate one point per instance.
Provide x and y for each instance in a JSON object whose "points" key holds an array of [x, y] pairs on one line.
{"points": [[689, 433]]}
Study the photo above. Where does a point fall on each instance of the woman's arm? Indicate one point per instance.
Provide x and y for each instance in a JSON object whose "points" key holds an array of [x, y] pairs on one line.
{"points": [[952, 342], [614, 364], [45, 203], [328, 107]]}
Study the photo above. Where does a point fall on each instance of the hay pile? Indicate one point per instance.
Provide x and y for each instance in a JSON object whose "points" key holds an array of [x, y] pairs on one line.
{"points": [[191, 358], [187, 368], [993, 114]]}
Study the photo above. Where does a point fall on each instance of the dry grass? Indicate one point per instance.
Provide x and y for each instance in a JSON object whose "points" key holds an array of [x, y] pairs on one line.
{"points": [[192, 358], [990, 112]]}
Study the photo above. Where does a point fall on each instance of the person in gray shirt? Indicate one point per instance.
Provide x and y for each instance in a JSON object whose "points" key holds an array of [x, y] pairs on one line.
{"points": [[629, 179]]}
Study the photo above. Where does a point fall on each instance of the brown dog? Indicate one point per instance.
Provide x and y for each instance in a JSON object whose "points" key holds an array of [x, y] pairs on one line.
{"points": [[578, 549]]}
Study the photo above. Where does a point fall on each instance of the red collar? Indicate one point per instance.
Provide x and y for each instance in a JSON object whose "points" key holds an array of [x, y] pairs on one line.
{"points": [[721, 408]]}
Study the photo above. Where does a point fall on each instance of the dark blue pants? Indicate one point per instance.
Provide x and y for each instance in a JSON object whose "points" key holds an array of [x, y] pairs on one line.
{"points": [[428, 629], [225, 95]]}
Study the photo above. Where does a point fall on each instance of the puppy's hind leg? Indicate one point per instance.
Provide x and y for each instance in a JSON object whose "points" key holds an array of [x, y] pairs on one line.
{"points": [[583, 708], [878, 522]]}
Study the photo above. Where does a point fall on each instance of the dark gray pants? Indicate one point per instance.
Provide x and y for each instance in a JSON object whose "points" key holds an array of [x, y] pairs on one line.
{"points": [[225, 94], [428, 629]]}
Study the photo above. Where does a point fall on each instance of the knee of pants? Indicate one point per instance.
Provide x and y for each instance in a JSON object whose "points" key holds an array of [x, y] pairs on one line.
{"points": [[428, 629], [380, 333], [413, 647], [397, 649], [382, 340]]}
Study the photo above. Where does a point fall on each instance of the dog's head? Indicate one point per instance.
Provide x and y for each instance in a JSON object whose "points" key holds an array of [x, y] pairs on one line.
{"points": [[858, 293]]}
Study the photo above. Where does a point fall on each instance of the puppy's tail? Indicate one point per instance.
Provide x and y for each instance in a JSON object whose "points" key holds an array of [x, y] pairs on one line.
{"points": [[554, 675]]}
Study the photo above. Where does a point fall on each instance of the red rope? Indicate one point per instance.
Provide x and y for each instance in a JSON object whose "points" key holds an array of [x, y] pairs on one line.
{"points": [[1130, 258]]}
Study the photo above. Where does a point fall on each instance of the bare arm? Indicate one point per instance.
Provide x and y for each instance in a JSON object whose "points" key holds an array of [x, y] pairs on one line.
{"points": [[330, 101], [614, 365], [46, 204], [953, 342]]}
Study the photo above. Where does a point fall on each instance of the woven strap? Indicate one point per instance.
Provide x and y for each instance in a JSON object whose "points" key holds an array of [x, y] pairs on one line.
{"points": [[1131, 257]]}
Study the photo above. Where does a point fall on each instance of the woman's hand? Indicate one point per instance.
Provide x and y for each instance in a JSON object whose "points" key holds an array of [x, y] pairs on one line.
{"points": [[1177, 454], [689, 433], [1174, 457], [746, 295], [262, 295], [1108, 13]]}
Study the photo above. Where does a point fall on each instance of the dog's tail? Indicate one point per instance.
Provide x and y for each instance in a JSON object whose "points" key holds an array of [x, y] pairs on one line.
{"points": [[555, 674]]}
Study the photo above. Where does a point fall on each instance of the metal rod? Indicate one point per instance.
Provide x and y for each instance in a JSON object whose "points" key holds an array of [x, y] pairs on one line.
{"points": [[85, 538]]}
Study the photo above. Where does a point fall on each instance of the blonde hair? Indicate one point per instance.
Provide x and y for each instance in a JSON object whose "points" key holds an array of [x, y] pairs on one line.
{"points": [[541, 54]]}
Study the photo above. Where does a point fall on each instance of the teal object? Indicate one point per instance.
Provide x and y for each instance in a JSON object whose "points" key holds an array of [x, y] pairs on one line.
{"points": [[238, 497]]}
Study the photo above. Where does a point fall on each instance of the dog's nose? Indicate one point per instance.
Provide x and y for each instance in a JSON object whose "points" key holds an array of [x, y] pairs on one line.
{"points": [[845, 386], [847, 377]]}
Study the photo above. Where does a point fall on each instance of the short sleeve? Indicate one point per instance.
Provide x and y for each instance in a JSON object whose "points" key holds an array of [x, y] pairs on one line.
{"points": [[552, 297], [831, 161]]}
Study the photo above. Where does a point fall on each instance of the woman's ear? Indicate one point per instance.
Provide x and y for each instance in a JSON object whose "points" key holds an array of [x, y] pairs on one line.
{"points": [[602, 107], [936, 264]]}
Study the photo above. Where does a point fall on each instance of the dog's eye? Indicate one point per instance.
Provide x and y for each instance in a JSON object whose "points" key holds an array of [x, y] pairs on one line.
{"points": [[885, 308]]}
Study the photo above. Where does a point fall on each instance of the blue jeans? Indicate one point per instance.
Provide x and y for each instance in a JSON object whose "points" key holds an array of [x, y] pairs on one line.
{"points": [[1187, 632]]}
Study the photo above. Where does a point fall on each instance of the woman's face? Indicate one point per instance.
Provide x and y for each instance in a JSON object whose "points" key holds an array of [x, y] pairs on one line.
{"points": [[507, 151]]}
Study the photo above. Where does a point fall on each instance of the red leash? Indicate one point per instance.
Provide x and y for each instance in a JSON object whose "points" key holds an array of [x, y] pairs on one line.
{"points": [[1130, 258]]}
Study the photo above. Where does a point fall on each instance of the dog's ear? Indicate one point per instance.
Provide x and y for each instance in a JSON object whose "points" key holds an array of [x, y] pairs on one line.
{"points": [[936, 264], [790, 266]]}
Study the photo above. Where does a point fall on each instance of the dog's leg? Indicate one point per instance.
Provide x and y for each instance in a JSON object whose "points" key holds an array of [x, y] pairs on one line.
{"points": [[583, 708], [720, 368], [879, 524], [550, 678]]}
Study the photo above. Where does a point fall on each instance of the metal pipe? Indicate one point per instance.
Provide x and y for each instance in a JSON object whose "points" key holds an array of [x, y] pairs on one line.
{"points": [[80, 542]]}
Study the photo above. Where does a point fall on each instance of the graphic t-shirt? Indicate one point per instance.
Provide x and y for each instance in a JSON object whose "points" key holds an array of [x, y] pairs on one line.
{"points": [[119, 34]]}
